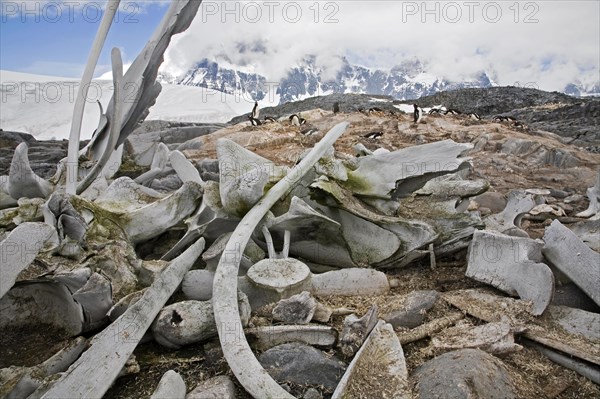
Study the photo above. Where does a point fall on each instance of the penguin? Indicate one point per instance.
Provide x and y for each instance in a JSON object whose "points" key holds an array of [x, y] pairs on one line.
{"points": [[474, 116], [336, 107], [269, 119], [520, 125], [296, 120], [435, 111], [309, 131], [452, 111], [255, 111], [417, 113], [373, 135], [375, 109], [254, 121]]}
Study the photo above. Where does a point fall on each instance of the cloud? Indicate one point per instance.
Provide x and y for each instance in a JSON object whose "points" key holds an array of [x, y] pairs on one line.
{"points": [[549, 43]]}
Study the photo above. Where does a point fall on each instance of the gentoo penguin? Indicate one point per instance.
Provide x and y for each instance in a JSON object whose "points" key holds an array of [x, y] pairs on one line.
{"points": [[435, 111], [269, 119], [417, 113], [254, 121], [336, 108], [296, 120], [452, 111], [520, 125], [474, 116], [374, 109], [255, 110], [309, 131], [373, 135]]}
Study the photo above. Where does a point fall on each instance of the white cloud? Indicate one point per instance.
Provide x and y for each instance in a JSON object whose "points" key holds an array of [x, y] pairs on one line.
{"points": [[562, 46]]}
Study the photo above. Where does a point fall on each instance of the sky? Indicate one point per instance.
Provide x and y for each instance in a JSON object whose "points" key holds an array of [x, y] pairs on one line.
{"points": [[545, 44]]}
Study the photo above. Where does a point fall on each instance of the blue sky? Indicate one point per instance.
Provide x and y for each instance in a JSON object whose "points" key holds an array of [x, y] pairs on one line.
{"points": [[51, 38], [544, 43]]}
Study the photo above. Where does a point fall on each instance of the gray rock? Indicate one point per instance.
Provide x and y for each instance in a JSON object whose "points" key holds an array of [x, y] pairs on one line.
{"points": [[220, 387], [322, 313], [572, 296], [413, 310], [355, 331], [297, 309], [493, 201], [302, 365], [464, 374], [312, 393], [171, 385]]}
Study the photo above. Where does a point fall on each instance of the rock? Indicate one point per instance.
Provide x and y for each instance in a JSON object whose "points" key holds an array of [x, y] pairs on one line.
{"points": [[263, 338], [511, 264], [322, 313], [381, 352], [350, 282], [297, 309], [302, 365], [219, 387], [494, 338], [413, 311], [22, 180], [463, 374], [565, 251], [356, 330], [96, 299], [21, 247], [171, 385], [197, 285], [312, 393], [493, 201], [187, 322], [573, 198]]}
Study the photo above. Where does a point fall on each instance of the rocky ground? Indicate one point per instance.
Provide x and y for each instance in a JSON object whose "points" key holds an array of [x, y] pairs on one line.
{"points": [[537, 157]]}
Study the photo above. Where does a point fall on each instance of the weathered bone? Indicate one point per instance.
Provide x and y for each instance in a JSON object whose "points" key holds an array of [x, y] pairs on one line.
{"points": [[22, 180], [21, 247], [405, 170], [96, 369], [570, 255], [264, 338], [237, 352], [184, 168], [159, 162], [391, 380], [86, 79], [511, 264], [116, 115], [593, 194]]}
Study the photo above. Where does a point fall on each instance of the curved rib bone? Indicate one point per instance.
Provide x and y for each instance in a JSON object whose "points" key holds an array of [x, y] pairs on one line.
{"points": [[237, 352]]}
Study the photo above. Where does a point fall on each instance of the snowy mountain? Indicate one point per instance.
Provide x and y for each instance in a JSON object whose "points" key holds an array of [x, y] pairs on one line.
{"points": [[408, 80], [43, 105]]}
